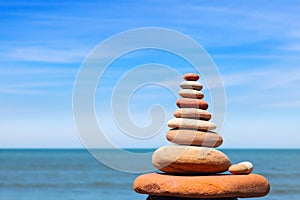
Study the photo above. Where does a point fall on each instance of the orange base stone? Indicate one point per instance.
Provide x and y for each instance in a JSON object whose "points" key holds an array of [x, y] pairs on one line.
{"points": [[212, 186], [183, 198]]}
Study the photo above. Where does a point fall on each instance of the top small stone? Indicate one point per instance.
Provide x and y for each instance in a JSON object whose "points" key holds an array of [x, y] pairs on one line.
{"points": [[191, 77]]}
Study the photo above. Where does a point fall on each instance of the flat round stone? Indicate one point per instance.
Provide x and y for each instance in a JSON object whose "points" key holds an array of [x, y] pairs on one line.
{"points": [[214, 186], [179, 159], [192, 113], [191, 77], [191, 103], [188, 93], [151, 197], [194, 137], [184, 123], [191, 85]]}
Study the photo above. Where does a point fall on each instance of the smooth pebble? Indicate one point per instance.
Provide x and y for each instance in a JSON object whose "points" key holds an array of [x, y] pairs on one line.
{"points": [[241, 168], [192, 103], [191, 85], [192, 113], [181, 159], [184, 123], [188, 93]]}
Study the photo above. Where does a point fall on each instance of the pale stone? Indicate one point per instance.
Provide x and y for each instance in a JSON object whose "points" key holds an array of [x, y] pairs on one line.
{"points": [[181, 159], [191, 85], [184, 123], [241, 168], [188, 93]]}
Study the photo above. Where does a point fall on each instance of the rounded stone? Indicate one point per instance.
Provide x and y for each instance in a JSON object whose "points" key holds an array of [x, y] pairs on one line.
{"points": [[214, 186], [184, 123], [194, 137], [241, 168], [151, 197], [191, 85], [191, 103], [191, 77], [188, 93], [192, 113], [179, 159]]}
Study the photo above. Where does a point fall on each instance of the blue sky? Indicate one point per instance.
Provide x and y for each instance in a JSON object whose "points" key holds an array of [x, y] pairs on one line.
{"points": [[255, 44]]}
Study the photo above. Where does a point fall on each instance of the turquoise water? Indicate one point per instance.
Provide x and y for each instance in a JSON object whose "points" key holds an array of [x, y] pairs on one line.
{"points": [[75, 174]]}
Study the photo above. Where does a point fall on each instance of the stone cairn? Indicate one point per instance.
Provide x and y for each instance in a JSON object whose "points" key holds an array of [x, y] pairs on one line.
{"points": [[192, 166]]}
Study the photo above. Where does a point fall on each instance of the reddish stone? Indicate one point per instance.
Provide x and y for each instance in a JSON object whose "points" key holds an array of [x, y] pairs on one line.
{"points": [[192, 113], [192, 103], [191, 77], [214, 186]]}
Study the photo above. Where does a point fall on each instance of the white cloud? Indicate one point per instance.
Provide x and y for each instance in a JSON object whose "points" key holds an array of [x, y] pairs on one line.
{"points": [[43, 54], [35, 80], [243, 77], [293, 47], [218, 25], [266, 78], [291, 104], [264, 88], [262, 56], [34, 87]]}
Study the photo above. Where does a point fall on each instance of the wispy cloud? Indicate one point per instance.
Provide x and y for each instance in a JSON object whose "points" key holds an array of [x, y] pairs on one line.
{"points": [[38, 71], [265, 56], [290, 104], [35, 87], [244, 77], [264, 87], [240, 23], [35, 80], [44, 54], [292, 47]]}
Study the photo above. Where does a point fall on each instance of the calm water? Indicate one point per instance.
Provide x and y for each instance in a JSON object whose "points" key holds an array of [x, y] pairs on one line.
{"points": [[75, 174]]}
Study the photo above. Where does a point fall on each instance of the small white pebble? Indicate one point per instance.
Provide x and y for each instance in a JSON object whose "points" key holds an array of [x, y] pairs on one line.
{"points": [[241, 168], [248, 164]]}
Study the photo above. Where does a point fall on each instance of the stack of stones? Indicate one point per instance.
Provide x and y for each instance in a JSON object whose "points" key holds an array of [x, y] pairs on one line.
{"points": [[192, 165]]}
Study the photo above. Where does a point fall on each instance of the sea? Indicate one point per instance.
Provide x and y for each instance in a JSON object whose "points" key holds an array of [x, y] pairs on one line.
{"points": [[60, 174]]}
